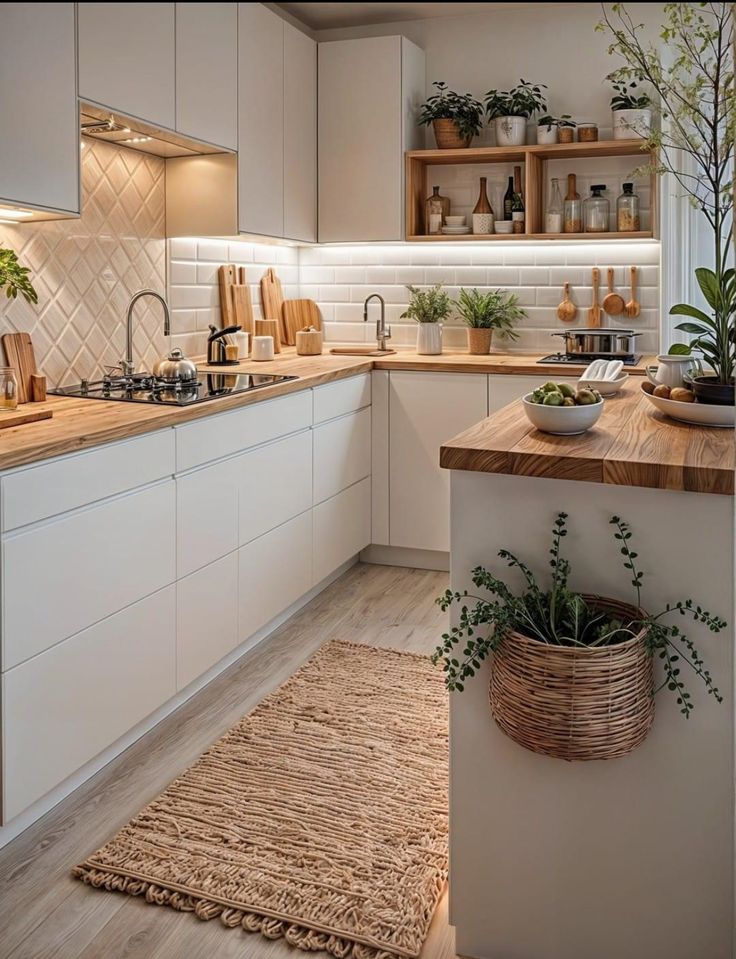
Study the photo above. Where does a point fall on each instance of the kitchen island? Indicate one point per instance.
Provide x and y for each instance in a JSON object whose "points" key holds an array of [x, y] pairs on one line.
{"points": [[631, 857]]}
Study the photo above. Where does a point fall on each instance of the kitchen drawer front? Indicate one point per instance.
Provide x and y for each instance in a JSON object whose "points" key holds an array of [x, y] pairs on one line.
{"points": [[342, 454], [344, 396], [63, 708], [206, 516], [65, 575], [342, 528], [274, 484], [30, 495], [228, 433], [206, 618], [275, 570]]}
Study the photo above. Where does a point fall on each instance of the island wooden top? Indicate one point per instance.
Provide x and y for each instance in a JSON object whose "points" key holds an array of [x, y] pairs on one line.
{"points": [[632, 444], [79, 424]]}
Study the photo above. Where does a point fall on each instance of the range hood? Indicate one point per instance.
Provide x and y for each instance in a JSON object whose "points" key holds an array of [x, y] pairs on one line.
{"points": [[99, 123]]}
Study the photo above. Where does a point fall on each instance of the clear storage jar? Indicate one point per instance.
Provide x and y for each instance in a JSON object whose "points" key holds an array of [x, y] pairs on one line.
{"points": [[596, 211]]}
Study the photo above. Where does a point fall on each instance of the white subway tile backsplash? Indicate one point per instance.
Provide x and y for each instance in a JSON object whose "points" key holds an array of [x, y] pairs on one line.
{"points": [[183, 248], [183, 273], [215, 250]]}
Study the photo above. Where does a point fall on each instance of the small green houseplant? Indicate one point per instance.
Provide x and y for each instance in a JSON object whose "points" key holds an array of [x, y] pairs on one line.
{"points": [[14, 277], [455, 117], [548, 127], [483, 313], [510, 109], [572, 674], [631, 114], [429, 308]]}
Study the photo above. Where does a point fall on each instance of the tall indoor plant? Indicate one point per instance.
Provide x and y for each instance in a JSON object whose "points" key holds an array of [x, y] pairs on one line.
{"points": [[483, 313], [429, 308], [455, 117], [695, 145]]}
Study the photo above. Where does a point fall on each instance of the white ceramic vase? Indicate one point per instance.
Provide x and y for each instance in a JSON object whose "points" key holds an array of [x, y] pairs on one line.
{"points": [[547, 134], [429, 339], [631, 124], [482, 223], [510, 131]]}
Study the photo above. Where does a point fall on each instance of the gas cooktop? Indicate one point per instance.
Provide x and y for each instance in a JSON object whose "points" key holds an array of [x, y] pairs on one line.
{"points": [[582, 359], [144, 388]]}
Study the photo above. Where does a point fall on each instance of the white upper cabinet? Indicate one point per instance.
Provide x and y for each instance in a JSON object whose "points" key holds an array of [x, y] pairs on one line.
{"points": [[39, 164], [207, 72], [127, 58], [300, 135], [369, 92]]}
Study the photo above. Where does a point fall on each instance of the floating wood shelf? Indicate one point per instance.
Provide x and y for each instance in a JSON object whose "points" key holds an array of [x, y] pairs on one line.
{"points": [[533, 157]]}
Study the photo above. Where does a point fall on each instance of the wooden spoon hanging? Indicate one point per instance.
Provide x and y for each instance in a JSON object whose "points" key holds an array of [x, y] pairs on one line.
{"points": [[566, 311], [594, 313], [633, 308], [613, 304]]}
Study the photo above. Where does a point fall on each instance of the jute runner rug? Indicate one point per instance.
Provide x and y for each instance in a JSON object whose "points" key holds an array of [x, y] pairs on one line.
{"points": [[320, 817]]}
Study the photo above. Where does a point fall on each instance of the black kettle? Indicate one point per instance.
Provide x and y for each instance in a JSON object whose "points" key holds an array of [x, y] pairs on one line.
{"points": [[216, 342]]}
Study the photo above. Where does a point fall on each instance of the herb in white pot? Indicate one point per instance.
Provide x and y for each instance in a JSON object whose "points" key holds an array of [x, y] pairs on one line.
{"points": [[429, 308]]}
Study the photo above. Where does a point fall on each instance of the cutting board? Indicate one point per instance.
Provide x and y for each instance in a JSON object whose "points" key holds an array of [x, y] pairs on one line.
{"points": [[242, 303], [23, 416], [272, 298], [227, 279], [299, 315], [19, 354]]}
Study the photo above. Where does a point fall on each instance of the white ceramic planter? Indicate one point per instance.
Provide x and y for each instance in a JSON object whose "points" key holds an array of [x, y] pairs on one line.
{"points": [[429, 339], [510, 131], [631, 124], [547, 134]]}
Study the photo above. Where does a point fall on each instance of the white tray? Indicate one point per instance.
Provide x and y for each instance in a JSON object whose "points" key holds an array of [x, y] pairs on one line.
{"points": [[697, 414]]}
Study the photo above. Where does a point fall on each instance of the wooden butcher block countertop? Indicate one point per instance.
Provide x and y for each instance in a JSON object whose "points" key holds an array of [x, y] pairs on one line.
{"points": [[632, 444], [79, 424]]}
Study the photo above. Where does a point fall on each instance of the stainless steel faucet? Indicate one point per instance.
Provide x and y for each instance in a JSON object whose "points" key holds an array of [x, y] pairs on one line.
{"points": [[383, 332], [127, 364]]}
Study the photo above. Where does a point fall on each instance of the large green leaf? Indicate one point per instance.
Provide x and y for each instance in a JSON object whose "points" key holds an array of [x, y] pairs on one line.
{"points": [[692, 328], [684, 309], [708, 284], [679, 349]]}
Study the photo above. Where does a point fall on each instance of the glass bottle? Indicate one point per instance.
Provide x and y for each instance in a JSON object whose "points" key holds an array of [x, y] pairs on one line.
{"points": [[596, 210], [573, 209], [518, 214], [483, 212], [553, 220], [8, 389], [508, 199], [436, 209], [627, 210]]}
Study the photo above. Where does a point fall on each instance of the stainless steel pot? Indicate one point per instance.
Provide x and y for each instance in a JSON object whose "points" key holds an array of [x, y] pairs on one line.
{"points": [[176, 368], [593, 342]]}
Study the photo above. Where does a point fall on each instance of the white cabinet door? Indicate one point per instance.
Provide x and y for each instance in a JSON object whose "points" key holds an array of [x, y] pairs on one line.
{"points": [[300, 135], [505, 388], [127, 58], [342, 528], [342, 453], [207, 72], [342, 396], [64, 707], [426, 409], [206, 618], [260, 120], [38, 106], [85, 566], [206, 516]]}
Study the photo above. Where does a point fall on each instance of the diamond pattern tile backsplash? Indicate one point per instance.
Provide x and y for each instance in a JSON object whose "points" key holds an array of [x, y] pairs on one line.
{"points": [[86, 270]]}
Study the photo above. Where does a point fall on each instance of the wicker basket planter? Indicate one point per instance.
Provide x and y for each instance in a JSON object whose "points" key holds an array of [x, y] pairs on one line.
{"points": [[575, 703], [447, 135], [479, 340]]}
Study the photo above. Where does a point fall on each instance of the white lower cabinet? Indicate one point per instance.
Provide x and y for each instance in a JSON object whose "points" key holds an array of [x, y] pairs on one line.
{"points": [[65, 706], [342, 528], [342, 453], [206, 618], [206, 516]]}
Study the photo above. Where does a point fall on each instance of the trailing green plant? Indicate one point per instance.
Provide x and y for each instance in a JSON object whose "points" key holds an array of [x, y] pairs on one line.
{"points": [[493, 310], [549, 121], [523, 100], [14, 277], [694, 143], [432, 305], [559, 616], [627, 96], [465, 110]]}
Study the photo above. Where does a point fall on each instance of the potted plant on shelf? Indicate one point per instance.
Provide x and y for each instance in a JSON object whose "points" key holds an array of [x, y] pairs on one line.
{"points": [[429, 308], [572, 674], [455, 117], [548, 127], [510, 110], [631, 114], [695, 148], [483, 313], [14, 277]]}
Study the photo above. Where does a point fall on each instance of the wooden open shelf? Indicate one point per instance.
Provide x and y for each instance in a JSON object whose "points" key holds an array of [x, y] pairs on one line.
{"points": [[533, 157]]}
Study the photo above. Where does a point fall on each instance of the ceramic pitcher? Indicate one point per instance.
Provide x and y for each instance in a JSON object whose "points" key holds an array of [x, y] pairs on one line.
{"points": [[671, 370]]}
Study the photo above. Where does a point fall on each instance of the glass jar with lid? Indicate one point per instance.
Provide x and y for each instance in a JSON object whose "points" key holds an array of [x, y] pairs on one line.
{"points": [[627, 211], [8, 389], [587, 132], [596, 210]]}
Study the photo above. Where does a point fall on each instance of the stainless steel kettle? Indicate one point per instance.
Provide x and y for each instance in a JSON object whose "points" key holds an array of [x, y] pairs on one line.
{"points": [[175, 368]]}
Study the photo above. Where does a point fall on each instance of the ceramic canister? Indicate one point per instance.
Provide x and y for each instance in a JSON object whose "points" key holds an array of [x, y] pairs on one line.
{"points": [[262, 348]]}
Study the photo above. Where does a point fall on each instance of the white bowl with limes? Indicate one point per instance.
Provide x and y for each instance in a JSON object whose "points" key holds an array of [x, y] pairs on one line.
{"points": [[562, 420]]}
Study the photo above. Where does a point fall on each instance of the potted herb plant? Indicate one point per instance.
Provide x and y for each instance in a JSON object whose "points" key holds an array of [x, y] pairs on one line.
{"points": [[695, 147], [510, 110], [483, 313], [572, 675], [455, 117], [631, 114], [14, 277], [548, 127], [429, 308]]}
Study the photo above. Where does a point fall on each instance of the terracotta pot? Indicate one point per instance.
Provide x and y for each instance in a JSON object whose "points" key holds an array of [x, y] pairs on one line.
{"points": [[479, 341], [448, 136]]}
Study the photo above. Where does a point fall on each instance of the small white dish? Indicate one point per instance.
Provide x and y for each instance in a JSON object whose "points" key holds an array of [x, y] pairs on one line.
{"points": [[696, 414], [604, 387], [455, 230], [562, 420], [504, 226], [455, 221]]}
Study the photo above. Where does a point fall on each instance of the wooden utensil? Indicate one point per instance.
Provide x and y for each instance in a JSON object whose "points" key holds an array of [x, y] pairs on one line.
{"points": [[613, 304], [242, 303], [272, 297], [227, 278], [633, 307], [299, 315], [19, 354], [270, 328], [594, 313], [23, 416], [567, 311]]}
